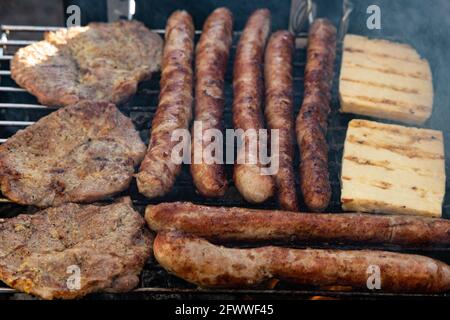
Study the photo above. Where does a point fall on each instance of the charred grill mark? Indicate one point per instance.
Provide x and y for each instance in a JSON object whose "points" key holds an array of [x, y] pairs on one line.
{"points": [[384, 86], [418, 136], [346, 200], [403, 150], [382, 164], [416, 75], [381, 184], [382, 55], [421, 191], [391, 102]]}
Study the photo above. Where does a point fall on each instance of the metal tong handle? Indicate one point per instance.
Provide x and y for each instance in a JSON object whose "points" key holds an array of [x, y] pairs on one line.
{"points": [[347, 8], [302, 10]]}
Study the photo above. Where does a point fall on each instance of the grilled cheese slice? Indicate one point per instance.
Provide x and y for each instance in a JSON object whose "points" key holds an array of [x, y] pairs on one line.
{"points": [[386, 80], [392, 169]]}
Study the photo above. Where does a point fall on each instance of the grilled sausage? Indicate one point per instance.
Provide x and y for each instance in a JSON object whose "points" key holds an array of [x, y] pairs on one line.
{"points": [[250, 225], [210, 67], [279, 113], [311, 124], [158, 172], [207, 265], [247, 115]]}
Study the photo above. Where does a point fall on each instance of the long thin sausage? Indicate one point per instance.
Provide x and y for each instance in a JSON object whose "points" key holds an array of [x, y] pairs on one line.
{"points": [[250, 225], [158, 171], [210, 67], [248, 91], [279, 113], [311, 124], [207, 265]]}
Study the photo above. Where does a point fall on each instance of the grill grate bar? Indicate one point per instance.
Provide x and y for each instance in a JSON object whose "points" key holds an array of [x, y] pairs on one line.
{"points": [[5, 73], [23, 106], [7, 27], [16, 43], [12, 89], [15, 123], [24, 28]]}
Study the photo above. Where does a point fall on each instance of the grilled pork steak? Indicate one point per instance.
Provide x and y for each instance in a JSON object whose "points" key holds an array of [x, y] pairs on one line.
{"points": [[102, 61], [43, 254], [80, 153]]}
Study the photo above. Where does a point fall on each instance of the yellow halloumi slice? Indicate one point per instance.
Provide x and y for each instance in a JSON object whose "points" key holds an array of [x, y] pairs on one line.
{"points": [[385, 79], [393, 169]]}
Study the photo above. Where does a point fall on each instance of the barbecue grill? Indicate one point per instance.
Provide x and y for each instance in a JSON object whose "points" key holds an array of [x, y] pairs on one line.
{"points": [[19, 109]]}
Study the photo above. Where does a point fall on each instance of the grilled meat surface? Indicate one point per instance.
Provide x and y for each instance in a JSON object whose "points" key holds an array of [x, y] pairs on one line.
{"points": [[205, 264], [312, 120], [280, 113], [102, 61], [248, 90], [211, 60], [251, 225], [158, 171], [106, 246], [80, 153]]}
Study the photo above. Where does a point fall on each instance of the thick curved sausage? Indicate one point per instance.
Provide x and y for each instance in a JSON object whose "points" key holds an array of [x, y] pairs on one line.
{"points": [[158, 172], [247, 115], [311, 124], [279, 112], [210, 66], [208, 265], [250, 225]]}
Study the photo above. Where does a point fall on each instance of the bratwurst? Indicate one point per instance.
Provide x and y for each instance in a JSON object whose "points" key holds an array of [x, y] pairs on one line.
{"points": [[250, 225], [279, 113], [158, 170], [208, 265], [248, 91], [210, 67], [311, 124]]}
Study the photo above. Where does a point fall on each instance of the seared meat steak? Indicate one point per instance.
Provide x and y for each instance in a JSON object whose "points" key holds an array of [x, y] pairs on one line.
{"points": [[72, 250], [102, 61], [80, 153]]}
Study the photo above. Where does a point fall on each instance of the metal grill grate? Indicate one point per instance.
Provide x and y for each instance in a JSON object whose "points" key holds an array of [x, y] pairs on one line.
{"points": [[19, 109]]}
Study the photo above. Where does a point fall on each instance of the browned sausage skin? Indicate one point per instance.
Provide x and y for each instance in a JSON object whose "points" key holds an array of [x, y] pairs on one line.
{"points": [[210, 66], [158, 172], [250, 225], [247, 115], [311, 124], [207, 265], [279, 112]]}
